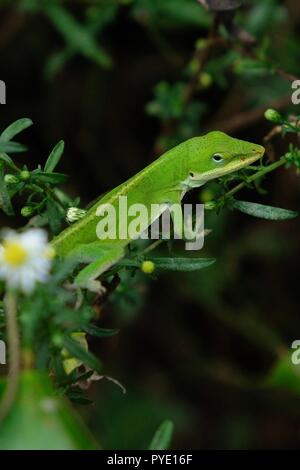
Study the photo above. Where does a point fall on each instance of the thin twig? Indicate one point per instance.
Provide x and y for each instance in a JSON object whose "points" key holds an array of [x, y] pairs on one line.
{"points": [[202, 58], [152, 246], [249, 117], [256, 176], [14, 354]]}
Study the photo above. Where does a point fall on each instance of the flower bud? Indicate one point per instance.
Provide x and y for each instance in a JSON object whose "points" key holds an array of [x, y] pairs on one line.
{"points": [[205, 80], [27, 211], [273, 116], [57, 340], [24, 175], [148, 267], [201, 44], [210, 206], [10, 179], [74, 214]]}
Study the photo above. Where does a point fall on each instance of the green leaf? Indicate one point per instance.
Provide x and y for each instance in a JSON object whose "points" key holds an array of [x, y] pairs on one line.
{"points": [[182, 264], [253, 67], [15, 128], [5, 202], [76, 35], [172, 264], [284, 374], [39, 406], [54, 217], [168, 102], [163, 436], [74, 348], [12, 147], [6, 159], [175, 13], [78, 397], [262, 211], [96, 22], [94, 330], [51, 178], [54, 157]]}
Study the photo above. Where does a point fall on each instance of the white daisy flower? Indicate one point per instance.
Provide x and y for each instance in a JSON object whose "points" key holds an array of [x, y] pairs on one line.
{"points": [[25, 259]]}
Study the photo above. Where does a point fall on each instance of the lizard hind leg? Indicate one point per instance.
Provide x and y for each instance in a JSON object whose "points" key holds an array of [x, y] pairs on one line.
{"points": [[100, 259]]}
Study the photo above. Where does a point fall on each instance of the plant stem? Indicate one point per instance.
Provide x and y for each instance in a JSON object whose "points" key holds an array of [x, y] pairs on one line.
{"points": [[259, 174], [14, 354], [152, 246], [50, 193]]}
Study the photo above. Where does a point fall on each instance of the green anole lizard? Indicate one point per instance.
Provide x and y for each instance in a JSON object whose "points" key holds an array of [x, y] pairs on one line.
{"points": [[165, 181]]}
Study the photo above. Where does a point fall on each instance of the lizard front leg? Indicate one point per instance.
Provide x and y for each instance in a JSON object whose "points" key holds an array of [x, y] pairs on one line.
{"points": [[99, 258]]}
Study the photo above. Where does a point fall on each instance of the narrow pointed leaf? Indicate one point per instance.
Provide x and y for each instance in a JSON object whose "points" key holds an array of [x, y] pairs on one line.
{"points": [[15, 128], [6, 159], [94, 330], [5, 202], [172, 264], [163, 436], [182, 264], [76, 35], [51, 178], [264, 212], [54, 216], [40, 419], [12, 147], [54, 157], [74, 348]]}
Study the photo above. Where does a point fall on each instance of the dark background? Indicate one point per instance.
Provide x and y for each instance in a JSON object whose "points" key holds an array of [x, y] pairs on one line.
{"points": [[196, 348]]}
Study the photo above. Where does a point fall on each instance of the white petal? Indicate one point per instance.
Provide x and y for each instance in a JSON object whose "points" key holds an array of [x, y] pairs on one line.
{"points": [[34, 240], [36, 266], [27, 282]]}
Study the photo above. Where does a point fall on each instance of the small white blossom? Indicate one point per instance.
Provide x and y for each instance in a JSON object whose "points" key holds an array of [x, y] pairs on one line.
{"points": [[25, 259]]}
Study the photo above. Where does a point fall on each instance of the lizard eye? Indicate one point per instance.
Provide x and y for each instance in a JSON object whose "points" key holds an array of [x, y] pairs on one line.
{"points": [[217, 158], [192, 174]]}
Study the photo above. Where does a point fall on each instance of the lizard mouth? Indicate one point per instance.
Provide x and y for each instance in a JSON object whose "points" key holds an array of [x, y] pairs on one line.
{"points": [[242, 162], [245, 160]]}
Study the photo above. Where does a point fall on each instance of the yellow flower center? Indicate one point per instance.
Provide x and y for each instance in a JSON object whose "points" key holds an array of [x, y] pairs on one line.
{"points": [[14, 253]]}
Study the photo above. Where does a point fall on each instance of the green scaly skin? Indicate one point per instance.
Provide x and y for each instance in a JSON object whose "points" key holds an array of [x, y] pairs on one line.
{"points": [[165, 181]]}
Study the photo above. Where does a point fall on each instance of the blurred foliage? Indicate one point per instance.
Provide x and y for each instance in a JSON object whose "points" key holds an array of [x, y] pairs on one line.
{"points": [[122, 81], [38, 407]]}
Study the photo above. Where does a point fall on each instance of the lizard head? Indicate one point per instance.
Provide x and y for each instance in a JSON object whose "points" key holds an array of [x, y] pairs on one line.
{"points": [[217, 154]]}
